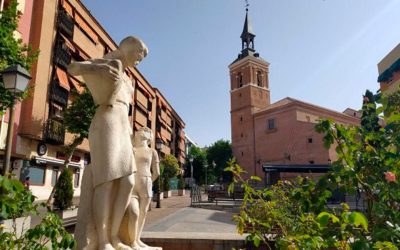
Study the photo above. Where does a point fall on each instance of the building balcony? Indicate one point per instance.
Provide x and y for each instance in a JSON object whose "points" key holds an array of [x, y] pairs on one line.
{"points": [[54, 132], [66, 23], [58, 94], [62, 55]]}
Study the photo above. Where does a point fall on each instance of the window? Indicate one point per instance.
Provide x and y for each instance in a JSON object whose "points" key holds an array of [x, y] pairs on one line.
{"points": [[54, 176], [56, 111], [239, 78], [241, 135], [311, 162], [76, 177], [271, 124], [241, 119], [36, 173], [259, 78], [310, 140]]}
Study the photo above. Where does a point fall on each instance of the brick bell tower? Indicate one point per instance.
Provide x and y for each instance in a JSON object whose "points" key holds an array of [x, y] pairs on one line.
{"points": [[249, 94]]}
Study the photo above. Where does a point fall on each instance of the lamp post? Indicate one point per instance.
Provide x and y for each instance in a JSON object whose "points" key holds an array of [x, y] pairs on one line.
{"points": [[16, 79], [205, 189], [191, 171], [159, 145]]}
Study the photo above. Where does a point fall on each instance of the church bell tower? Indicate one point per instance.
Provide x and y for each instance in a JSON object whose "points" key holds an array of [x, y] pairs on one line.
{"points": [[249, 94]]}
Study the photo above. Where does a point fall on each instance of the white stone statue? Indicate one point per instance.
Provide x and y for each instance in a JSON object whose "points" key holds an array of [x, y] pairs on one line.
{"points": [[148, 170], [109, 181]]}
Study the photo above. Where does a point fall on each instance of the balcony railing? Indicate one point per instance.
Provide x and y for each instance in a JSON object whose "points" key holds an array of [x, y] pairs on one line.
{"points": [[62, 55], [54, 132], [66, 23], [58, 94]]}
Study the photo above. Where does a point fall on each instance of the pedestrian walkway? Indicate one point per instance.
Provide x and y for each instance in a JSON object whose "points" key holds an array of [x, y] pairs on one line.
{"points": [[178, 226], [168, 206]]}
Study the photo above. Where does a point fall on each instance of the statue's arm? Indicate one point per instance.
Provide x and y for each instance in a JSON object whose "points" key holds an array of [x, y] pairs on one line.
{"points": [[106, 67], [155, 166], [82, 68]]}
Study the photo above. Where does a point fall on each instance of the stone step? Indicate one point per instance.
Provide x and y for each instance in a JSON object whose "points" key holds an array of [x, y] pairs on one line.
{"points": [[196, 241]]}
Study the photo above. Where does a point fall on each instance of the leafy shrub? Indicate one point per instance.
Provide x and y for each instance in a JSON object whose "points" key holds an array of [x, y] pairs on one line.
{"points": [[170, 167], [64, 190], [16, 201], [181, 182]]}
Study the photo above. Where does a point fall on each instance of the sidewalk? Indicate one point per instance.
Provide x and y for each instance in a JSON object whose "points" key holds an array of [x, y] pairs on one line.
{"points": [[176, 216], [168, 206]]}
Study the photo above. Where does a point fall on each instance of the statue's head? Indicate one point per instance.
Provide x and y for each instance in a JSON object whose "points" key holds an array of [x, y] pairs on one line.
{"points": [[133, 50], [144, 134]]}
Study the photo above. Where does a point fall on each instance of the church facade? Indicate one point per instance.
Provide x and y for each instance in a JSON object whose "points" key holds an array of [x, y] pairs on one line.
{"points": [[274, 140]]}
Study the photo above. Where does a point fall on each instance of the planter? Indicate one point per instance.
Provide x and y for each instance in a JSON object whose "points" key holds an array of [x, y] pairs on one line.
{"points": [[167, 194], [156, 195], [181, 192], [67, 214], [22, 224]]}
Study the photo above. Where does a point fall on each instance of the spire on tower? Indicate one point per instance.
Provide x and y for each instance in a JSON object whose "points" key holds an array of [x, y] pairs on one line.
{"points": [[247, 35]]}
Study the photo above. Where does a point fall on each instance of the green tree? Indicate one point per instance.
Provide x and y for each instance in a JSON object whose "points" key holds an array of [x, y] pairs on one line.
{"points": [[219, 152], [12, 52], [82, 109], [199, 161], [64, 190], [171, 169]]}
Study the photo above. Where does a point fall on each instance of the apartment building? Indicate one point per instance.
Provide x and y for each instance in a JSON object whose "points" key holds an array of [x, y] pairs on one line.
{"points": [[169, 129], [66, 31], [389, 71]]}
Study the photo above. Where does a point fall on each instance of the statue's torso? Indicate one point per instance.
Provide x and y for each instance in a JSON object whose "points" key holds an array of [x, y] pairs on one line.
{"points": [[143, 158], [106, 91]]}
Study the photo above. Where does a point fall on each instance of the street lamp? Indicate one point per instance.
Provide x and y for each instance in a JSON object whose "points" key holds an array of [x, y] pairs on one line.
{"points": [[16, 79], [191, 171], [159, 145], [206, 166]]}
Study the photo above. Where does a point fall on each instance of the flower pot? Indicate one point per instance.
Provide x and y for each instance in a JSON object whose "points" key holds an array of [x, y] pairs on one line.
{"points": [[156, 195], [67, 214], [167, 194], [181, 192]]}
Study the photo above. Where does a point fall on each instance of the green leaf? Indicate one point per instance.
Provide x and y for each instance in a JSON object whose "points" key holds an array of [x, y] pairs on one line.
{"points": [[256, 240], [358, 219], [323, 218], [231, 187], [255, 178]]}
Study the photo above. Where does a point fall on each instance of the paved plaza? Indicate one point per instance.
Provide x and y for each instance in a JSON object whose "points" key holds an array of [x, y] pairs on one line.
{"points": [[176, 215]]}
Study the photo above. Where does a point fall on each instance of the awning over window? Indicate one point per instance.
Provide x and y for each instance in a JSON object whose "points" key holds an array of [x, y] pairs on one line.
{"points": [[89, 31], [63, 79], [297, 168], [77, 85], [68, 44], [68, 7]]}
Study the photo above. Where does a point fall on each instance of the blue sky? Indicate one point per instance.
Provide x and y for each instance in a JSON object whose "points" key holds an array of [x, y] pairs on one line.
{"points": [[321, 51]]}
